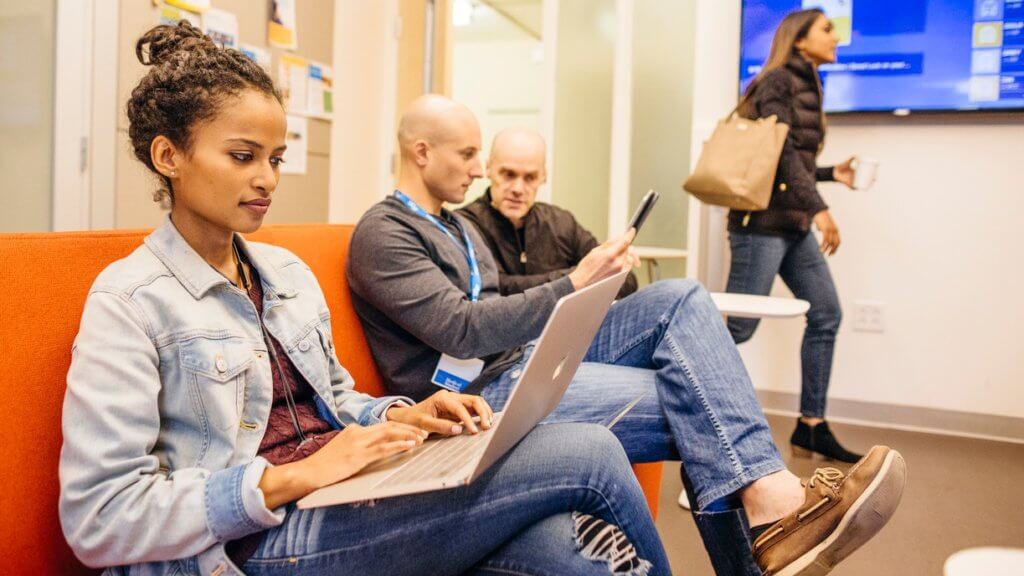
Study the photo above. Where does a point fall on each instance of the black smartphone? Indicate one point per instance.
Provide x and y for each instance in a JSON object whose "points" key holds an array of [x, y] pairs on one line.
{"points": [[643, 210]]}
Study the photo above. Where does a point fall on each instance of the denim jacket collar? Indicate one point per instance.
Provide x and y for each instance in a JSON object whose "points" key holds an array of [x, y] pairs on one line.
{"points": [[195, 274]]}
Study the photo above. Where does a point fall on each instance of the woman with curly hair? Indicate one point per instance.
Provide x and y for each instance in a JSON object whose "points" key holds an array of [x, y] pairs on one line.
{"points": [[204, 395]]}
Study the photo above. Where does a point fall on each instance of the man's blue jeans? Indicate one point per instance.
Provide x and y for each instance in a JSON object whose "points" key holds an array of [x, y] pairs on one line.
{"points": [[523, 516], [664, 375], [756, 259]]}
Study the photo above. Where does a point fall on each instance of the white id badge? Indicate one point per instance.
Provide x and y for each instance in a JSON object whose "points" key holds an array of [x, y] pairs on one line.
{"points": [[454, 374]]}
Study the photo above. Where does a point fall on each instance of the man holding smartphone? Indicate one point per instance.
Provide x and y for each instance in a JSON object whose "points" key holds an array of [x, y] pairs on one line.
{"points": [[532, 242], [662, 372]]}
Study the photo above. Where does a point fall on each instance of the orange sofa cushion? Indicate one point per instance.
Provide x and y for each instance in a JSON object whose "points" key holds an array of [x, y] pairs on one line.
{"points": [[46, 278]]}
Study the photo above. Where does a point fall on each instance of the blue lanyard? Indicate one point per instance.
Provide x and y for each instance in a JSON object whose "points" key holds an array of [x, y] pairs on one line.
{"points": [[474, 269]]}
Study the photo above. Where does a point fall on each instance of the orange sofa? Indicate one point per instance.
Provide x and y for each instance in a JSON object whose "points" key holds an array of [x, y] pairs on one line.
{"points": [[45, 278]]}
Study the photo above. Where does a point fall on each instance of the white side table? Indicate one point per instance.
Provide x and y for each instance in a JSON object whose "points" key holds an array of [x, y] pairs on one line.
{"points": [[651, 255], [750, 306], [984, 562]]}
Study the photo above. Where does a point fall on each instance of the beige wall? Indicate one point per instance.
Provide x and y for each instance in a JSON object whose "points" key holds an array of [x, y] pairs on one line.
{"points": [[379, 58], [368, 94], [299, 198], [27, 42], [411, 49], [365, 64]]}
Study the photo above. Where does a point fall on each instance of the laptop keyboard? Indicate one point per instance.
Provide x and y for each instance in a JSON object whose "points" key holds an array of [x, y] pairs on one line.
{"points": [[442, 459]]}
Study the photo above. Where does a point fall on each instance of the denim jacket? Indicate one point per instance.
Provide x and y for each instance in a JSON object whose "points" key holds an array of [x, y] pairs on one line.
{"points": [[168, 396]]}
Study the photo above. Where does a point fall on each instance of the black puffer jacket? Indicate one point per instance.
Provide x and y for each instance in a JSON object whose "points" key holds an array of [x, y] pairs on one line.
{"points": [[793, 94]]}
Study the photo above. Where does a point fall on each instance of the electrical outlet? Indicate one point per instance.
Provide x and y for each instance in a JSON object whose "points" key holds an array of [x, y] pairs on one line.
{"points": [[869, 316]]}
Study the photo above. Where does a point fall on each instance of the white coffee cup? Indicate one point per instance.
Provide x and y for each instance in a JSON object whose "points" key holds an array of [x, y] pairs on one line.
{"points": [[865, 172]]}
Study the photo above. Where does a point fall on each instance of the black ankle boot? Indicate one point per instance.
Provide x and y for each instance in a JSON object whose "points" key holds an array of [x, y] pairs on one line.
{"points": [[818, 439]]}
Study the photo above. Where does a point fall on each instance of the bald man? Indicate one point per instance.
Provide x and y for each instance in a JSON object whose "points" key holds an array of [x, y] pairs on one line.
{"points": [[532, 242], [662, 373]]}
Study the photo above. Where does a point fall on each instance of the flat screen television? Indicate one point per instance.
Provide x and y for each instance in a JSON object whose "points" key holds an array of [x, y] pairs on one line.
{"points": [[906, 55]]}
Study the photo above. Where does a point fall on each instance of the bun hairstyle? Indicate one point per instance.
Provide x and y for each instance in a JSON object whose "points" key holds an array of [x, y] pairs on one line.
{"points": [[189, 79]]}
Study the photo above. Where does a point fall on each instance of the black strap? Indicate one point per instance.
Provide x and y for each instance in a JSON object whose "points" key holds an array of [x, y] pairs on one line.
{"points": [[289, 399], [240, 268]]}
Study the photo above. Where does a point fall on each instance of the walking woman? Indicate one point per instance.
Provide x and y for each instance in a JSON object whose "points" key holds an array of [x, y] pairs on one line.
{"points": [[779, 240], [205, 397]]}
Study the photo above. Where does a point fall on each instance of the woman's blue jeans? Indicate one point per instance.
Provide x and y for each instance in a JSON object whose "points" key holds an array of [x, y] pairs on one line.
{"points": [[531, 513], [756, 259]]}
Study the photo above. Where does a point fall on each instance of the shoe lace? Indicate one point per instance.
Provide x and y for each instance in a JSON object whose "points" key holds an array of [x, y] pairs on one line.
{"points": [[828, 476]]}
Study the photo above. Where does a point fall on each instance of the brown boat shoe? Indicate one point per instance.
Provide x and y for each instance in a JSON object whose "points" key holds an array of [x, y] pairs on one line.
{"points": [[840, 513]]}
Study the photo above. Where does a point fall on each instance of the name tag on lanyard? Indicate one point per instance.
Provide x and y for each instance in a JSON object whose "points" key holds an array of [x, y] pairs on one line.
{"points": [[453, 373]]}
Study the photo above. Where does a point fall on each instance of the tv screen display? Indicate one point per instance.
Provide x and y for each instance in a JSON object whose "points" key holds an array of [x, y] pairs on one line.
{"points": [[906, 55]]}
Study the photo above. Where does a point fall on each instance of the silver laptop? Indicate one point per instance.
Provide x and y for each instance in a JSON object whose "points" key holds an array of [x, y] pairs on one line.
{"points": [[447, 462]]}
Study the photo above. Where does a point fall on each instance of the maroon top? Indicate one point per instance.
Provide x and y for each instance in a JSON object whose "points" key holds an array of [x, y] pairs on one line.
{"points": [[281, 443]]}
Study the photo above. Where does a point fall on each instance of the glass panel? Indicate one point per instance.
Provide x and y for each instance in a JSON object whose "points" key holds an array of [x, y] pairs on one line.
{"points": [[27, 43], [663, 46], [497, 67], [583, 111]]}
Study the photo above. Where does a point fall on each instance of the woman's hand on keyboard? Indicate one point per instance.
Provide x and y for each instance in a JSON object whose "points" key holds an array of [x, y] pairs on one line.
{"points": [[351, 450], [445, 413]]}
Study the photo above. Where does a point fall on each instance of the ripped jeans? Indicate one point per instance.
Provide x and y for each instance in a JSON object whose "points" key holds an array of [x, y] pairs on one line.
{"points": [[664, 375], [562, 502]]}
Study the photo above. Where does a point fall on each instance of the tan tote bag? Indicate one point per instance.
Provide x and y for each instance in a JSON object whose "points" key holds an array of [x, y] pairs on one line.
{"points": [[737, 165]]}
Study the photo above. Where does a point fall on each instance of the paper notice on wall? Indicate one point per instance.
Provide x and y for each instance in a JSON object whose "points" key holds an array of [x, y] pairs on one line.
{"points": [[293, 80], [321, 90], [190, 5], [281, 30], [222, 27], [257, 55], [297, 140], [171, 15]]}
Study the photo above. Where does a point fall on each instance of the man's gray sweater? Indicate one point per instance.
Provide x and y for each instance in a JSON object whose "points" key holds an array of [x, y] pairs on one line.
{"points": [[410, 286]]}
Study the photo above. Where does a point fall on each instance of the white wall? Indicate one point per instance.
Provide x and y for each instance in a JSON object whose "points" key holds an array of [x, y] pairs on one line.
{"points": [[661, 120], [936, 240], [715, 82], [363, 130], [501, 81], [27, 32], [585, 67]]}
